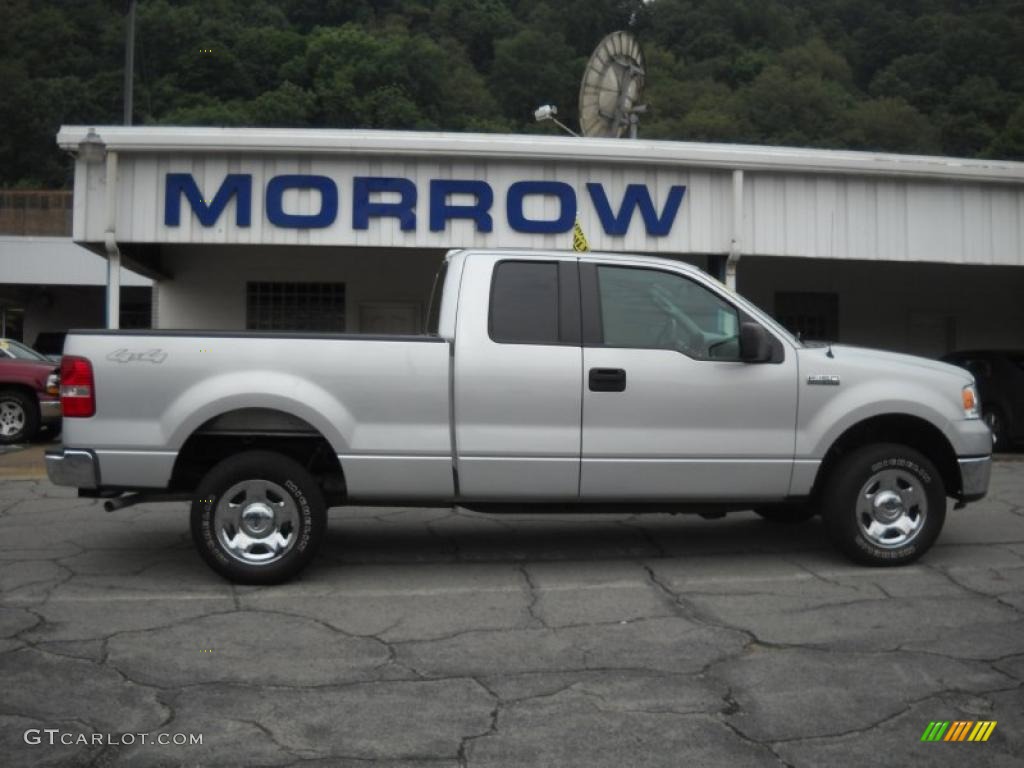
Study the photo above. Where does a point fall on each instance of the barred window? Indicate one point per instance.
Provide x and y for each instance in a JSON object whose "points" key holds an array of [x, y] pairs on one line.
{"points": [[295, 306]]}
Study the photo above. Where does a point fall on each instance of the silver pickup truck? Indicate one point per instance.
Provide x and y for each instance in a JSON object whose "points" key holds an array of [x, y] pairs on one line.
{"points": [[601, 382]]}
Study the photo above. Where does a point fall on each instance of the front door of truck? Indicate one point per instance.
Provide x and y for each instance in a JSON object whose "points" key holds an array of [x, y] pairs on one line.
{"points": [[517, 373], [669, 411]]}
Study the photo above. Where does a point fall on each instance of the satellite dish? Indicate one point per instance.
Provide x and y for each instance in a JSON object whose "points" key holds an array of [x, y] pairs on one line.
{"points": [[613, 83]]}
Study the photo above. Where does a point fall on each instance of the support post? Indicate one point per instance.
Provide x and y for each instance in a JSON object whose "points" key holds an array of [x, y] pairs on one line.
{"points": [[113, 252], [735, 243]]}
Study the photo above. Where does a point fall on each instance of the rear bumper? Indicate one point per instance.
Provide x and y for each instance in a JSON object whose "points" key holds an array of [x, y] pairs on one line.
{"points": [[74, 468], [975, 473], [49, 411]]}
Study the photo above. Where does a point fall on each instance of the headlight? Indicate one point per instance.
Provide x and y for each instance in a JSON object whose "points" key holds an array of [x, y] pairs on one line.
{"points": [[53, 384], [969, 396]]}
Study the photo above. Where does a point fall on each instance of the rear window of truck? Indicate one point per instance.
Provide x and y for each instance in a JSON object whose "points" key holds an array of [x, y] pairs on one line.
{"points": [[524, 303]]}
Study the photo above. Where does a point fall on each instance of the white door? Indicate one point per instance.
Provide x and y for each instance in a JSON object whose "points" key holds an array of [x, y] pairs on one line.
{"points": [[517, 389], [669, 411]]}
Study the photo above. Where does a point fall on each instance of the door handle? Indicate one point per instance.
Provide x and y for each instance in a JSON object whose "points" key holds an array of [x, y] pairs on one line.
{"points": [[607, 380]]}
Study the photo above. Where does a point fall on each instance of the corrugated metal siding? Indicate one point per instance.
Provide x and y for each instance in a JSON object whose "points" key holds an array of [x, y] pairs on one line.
{"points": [[797, 213], [699, 229], [847, 217]]}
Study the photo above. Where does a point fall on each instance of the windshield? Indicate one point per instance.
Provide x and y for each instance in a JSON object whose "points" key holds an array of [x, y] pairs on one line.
{"points": [[19, 351]]}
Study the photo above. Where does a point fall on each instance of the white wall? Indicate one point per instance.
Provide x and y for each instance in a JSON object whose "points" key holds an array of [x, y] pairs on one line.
{"points": [[925, 309], [883, 219], [55, 261], [208, 285], [787, 211], [700, 226]]}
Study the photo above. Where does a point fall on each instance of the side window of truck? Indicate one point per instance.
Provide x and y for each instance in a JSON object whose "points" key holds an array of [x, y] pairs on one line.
{"points": [[524, 303], [651, 309]]}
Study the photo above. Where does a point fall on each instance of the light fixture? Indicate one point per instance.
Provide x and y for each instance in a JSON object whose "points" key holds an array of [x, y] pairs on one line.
{"points": [[91, 149], [548, 112]]}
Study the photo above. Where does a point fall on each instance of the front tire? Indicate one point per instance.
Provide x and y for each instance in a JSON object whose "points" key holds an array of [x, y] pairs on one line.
{"points": [[884, 505], [258, 518], [19, 417]]}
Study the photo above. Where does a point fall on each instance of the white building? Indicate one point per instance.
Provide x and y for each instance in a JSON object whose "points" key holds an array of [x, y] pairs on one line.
{"points": [[343, 230], [50, 284]]}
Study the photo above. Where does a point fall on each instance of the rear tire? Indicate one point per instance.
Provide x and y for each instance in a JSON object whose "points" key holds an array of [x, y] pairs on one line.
{"points": [[788, 513], [258, 518], [19, 417], [884, 505]]}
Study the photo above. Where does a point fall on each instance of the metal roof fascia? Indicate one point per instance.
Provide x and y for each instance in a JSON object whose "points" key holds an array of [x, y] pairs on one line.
{"points": [[527, 148]]}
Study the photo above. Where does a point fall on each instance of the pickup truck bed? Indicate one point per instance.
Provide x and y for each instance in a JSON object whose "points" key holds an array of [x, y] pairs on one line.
{"points": [[370, 394]]}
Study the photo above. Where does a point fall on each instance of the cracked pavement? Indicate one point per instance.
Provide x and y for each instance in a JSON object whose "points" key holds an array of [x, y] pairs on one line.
{"points": [[430, 637]]}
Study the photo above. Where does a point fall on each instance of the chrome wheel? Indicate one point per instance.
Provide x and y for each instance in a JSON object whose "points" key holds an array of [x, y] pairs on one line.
{"points": [[256, 522], [12, 418], [891, 508]]}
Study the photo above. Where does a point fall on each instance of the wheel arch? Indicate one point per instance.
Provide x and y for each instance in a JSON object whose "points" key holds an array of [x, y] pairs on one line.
{"points": [[904, 429], [25, 389], [257, 428], [281, 391]]}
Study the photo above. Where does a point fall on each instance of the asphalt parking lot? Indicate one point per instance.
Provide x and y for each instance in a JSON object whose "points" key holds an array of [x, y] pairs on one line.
{"points": [[439, 638]]}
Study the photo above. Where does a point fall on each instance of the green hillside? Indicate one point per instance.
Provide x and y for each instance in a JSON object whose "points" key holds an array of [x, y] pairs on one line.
{"points": [[929, 76]]}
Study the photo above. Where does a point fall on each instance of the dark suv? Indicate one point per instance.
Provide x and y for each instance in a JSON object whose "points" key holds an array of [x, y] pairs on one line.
{"points": [[1000, 378]]}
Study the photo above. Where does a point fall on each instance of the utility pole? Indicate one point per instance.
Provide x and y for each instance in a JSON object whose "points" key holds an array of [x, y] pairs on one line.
{"points": [[129, 63]]}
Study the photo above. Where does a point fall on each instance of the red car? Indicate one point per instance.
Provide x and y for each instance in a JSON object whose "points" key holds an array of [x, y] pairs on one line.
{"points": [[29, 393]]}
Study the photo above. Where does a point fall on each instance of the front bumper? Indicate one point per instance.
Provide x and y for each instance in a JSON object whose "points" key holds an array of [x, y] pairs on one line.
{"points": [[49, 411], [974, 477], [78, 469]]}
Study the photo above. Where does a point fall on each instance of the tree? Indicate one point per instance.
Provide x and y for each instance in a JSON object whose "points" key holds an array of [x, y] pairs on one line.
{"points": [[805, 109], [476, 25], [918, 76], [533, 68], [288, 105], [1009, 144], [891, 125]]}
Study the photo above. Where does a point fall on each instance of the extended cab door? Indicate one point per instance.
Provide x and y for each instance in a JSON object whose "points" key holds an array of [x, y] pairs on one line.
{"points": [[517, 379], [669, 411]]}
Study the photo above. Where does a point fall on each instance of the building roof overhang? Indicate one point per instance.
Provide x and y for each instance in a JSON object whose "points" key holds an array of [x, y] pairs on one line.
{"points": [[533, 148]]}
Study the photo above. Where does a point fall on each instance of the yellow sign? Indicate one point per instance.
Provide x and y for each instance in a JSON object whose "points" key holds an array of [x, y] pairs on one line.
{"points": [[579, 240]]}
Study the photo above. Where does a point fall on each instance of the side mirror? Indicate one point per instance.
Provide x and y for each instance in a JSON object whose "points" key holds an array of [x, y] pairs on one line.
{"points": [[755, 343]]}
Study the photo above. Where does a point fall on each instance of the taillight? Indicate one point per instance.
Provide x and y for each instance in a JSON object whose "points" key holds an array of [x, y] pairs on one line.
{"points": [[77, 395]]}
